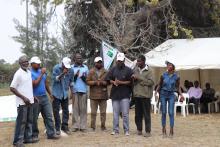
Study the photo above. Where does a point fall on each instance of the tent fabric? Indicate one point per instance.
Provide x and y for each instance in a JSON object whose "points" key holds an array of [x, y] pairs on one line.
{"points": [[199, 53], [8, 109]]}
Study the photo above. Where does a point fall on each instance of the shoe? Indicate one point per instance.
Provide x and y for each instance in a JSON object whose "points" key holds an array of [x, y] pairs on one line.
{"points": [[103, 128], [35, 139], [83, 130], [75, 129], [114, 133], [58, 132], [30, 141], [67, 131], [147, 134], [18, 145], [139, 132], [55, 136], [127, 133]]}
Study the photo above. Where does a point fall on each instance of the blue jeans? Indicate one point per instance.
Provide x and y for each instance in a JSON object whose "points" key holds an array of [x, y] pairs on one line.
{"points": [[65, 113], [121, 106], [167, 97], [23, 127], [44, 107]]}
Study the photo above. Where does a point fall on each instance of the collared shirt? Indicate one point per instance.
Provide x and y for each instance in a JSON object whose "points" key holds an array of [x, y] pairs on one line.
{"points": [[169, 82], [195, 92], [40, 89], [123, 74], [60, 87], [79, 84], [22, 82], [141, 70]]}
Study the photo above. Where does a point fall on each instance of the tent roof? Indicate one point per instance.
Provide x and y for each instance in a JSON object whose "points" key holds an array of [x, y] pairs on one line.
{"points": [[200, 53]]}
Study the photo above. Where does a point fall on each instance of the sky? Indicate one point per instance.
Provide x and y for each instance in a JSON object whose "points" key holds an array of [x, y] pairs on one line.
{"points": [[10, 9]]}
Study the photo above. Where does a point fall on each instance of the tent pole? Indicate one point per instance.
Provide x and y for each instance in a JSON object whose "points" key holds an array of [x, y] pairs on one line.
{"points": [[199, 75]]}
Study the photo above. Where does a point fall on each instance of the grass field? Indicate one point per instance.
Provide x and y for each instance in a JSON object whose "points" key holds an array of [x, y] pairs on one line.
{"points": [[191, 131], [5, 91]]}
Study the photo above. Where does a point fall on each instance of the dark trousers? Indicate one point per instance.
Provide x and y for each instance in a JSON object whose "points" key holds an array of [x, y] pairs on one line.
{"points": [[142, 109], [23, 127], [65, 113], [44, 107], [196, 102]]}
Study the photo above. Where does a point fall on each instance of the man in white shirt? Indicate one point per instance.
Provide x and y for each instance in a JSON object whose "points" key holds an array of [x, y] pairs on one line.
{"points": [[21, 86]]}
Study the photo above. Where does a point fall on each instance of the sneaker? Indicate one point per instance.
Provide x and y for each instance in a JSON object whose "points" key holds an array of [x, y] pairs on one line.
{"points": [[30, 141], [67, 131], [139, 132], [55, 136], [127, 134], [147, 134], [114, 133], [58, 132], [19, 145], [35, 139]]}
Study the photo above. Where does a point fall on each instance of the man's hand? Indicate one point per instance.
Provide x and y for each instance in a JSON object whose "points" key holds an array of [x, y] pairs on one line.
{"points": [[65, 70], [97, 83], [134, 76], [182, 98], [36, 99], [26, 101], [43, 71]]}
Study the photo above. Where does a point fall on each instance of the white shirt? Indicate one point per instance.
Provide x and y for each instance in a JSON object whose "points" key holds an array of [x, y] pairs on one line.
{"points": [[22, 82]]}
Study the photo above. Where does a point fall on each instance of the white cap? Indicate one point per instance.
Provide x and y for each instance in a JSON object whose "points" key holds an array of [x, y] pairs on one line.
{"points": [[66, 62], [35, 59], [97, 59], [120, 57]]}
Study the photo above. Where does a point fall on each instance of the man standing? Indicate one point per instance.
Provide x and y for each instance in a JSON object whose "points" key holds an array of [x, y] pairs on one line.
{"points": [[120, 78], [79, 119], [143, 91], [62, 80], [21, 86], [40, 87], [98, 92]]}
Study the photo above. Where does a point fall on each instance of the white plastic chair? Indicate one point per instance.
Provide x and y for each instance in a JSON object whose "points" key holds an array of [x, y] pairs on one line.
{"points": [[183, 105], [216, 103], [154, 102]]}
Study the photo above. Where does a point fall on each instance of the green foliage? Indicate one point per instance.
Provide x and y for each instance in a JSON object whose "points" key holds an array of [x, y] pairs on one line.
{"points": [[39, 42]]}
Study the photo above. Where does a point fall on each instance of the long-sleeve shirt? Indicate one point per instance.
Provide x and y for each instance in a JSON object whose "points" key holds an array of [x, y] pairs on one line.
{"points": [[195, 92]]}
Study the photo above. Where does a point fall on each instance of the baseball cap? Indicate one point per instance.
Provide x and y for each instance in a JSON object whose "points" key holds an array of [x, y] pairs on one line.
{"points": [[66, 62], [97, 59], [120, 57], [35, 59]]}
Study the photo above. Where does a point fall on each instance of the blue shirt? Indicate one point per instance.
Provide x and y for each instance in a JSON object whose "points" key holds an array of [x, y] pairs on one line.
{"points": [[60, 87], [40, 89], [79, 84], [169, 82]]}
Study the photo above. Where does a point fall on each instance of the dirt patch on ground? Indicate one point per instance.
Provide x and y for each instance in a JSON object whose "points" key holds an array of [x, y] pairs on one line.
{"points": [[193, 130]]}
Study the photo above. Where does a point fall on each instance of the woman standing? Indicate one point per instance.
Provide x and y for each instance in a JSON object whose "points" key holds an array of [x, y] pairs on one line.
{"points": [[169, 83]]}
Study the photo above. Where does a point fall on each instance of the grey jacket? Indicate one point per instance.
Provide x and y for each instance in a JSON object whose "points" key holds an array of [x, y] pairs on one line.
{"points": [[143, 86]]}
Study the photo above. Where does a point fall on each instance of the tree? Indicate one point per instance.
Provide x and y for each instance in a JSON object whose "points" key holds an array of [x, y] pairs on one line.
{"points": [[35, 38], [137, 26]]}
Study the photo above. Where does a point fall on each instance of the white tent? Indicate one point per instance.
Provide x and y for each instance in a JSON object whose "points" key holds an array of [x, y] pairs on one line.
{"points": [[200, 53]]}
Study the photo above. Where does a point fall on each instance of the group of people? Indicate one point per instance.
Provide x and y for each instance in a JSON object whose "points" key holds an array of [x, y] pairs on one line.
{"points": [[199, 96], [31, 87]]}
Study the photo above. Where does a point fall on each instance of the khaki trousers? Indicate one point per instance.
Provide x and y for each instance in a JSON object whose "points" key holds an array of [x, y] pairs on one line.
{"points": [[102, 107]]}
